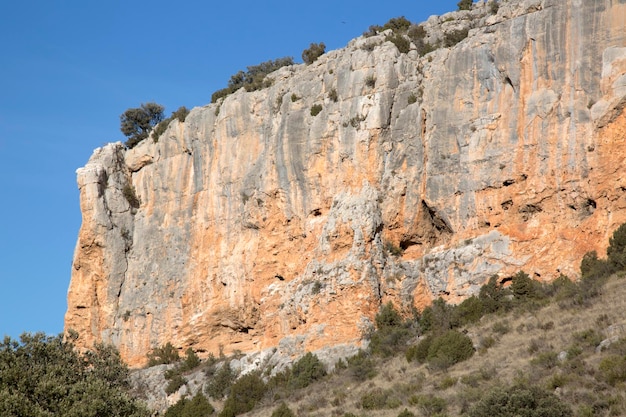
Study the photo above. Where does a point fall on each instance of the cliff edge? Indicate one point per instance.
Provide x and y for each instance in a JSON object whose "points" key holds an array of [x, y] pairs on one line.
{"points": [[260, 227]]}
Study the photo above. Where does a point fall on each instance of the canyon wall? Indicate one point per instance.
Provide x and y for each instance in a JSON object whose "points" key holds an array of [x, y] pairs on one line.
{"points": [[262, 228]]}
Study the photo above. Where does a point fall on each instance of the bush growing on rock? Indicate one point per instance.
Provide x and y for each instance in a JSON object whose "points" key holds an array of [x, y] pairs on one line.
{"points": [[163, 355], [402, 43], [314, 51], [253, 79], [131, 196], [397, 24], [465, 5], [191, 361], [316, 109], [220, 381], [180, 114], [452, 38], [494, 6], [136, 123]]}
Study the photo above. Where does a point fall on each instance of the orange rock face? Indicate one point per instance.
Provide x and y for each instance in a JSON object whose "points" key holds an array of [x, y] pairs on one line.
{"points": [[263, 227]]}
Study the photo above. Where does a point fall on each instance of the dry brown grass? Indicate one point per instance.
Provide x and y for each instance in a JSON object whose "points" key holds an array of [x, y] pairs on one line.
{"points": [[524, 343]]}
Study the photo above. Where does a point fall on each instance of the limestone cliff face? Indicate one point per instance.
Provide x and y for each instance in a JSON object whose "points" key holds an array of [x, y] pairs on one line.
{"points": [[260, 226]]}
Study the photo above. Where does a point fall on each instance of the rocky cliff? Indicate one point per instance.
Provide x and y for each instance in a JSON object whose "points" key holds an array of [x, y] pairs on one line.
{"points": [[262, 228]]}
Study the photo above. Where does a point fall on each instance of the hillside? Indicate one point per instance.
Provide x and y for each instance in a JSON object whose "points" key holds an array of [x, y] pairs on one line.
{"points": [[261, 226], [553, 348], [562, 341]]}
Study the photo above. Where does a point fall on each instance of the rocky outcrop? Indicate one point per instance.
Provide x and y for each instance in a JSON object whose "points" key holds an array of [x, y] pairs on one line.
{"points": [[255, 225]]}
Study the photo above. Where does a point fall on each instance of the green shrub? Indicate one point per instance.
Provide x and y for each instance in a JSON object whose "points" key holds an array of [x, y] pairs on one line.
{"points": [[163, 355], [294, 98], [520, 400], [391, 332], [523, 287], [220, 381], [397, 24], [388, 316], [592, 267], [198, 406], [136, 123], [546, 360], [430, 404], [501, 327], [419, 352], [487, 342], [306, 370], [316, 109], [392, 249], [469, 311], [314, 51], [283, 411], [452, 38], [416, 33], [616, 252], [361, 367], [494, 6], [402, 43], [370, 81], [175, 382], [406, 413], [493, 297], [446, 382], [613, 369], [424, 48], [131, 196], [378, 399], [372, 31], [245, 393], [253, 79], [160, 129], [412, 98], [46, 376], [374, 400], [191, 361], [465, 4], [332, 94], [439, 316], [181, 114], [449, 348]]}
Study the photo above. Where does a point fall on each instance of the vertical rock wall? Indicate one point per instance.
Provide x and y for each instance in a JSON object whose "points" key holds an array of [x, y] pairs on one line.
{"points": [[261, 226]]}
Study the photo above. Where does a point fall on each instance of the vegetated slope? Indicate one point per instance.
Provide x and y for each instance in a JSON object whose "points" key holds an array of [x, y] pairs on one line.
{"points": [[557, 347], [552, 348], [267, 225]]}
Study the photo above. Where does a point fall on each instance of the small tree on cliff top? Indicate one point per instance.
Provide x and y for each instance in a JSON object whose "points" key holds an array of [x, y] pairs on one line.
{"points": [[136, 123], [465, 5]]}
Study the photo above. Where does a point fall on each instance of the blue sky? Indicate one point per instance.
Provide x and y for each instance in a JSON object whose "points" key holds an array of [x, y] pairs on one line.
{"points": [[70, 68]]}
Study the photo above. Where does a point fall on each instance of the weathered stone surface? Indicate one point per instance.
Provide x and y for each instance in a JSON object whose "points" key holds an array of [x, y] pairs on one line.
{"points": [[261, 226]]}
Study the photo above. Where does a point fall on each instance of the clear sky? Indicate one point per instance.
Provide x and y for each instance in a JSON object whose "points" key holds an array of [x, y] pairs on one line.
{"points": [[69, 68]]}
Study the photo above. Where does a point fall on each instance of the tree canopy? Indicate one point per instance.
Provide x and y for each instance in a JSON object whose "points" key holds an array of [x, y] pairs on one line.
{"points": [[136, 123], [43, 376]]}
